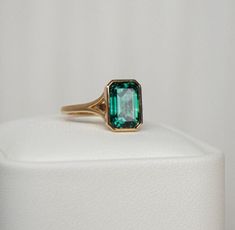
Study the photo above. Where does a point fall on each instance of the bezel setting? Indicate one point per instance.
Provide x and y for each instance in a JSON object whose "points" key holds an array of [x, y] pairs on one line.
{"points": [[130, 85]]}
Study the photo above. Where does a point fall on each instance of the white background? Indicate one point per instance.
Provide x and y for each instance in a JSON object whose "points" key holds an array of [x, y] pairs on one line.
{"points": [[60, 52]]}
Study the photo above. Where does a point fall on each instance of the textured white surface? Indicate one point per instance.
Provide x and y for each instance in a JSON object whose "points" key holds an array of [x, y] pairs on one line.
{"points": [[67, 175], [60, 139]]}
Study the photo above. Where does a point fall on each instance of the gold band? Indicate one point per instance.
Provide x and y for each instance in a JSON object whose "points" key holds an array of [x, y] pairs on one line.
{"points": [[96, 107]]}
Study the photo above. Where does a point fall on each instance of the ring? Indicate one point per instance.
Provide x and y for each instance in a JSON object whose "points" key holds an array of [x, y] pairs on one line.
{"points": [[120, 105]]}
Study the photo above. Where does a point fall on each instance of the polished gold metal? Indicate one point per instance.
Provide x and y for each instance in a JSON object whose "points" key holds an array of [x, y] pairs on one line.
{"points": [[100, 107], [96, 107]]}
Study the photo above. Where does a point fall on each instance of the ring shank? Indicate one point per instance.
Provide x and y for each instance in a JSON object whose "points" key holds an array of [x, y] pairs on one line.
{"points": [[96, 107]]}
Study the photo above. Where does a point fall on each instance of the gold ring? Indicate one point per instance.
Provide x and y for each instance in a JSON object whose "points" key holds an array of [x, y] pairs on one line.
{"points": [[120, 105]]}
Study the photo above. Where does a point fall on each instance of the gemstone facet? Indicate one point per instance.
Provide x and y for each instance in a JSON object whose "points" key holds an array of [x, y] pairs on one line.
{"points": [[124, 104]]}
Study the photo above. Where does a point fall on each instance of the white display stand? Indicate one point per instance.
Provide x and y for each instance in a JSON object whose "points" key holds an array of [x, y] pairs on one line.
{"points": [[58, 174]]}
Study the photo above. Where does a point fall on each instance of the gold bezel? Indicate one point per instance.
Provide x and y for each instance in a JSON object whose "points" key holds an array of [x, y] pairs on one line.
{"points": [[107, 117]]}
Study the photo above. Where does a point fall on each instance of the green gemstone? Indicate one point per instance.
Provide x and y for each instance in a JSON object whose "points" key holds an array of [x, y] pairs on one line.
{"points": [[125, 106]]}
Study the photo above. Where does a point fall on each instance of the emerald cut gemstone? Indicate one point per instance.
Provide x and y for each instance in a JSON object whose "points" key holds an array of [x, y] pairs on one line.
{"points": [[125, 105]]}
